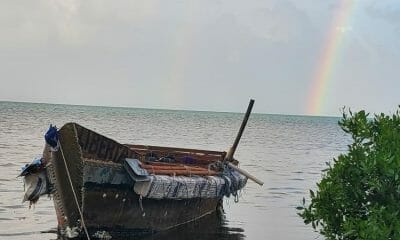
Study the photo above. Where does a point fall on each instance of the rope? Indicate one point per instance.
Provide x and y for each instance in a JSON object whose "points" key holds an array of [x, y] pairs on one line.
{"points": [[141, 205], [73, 192]]}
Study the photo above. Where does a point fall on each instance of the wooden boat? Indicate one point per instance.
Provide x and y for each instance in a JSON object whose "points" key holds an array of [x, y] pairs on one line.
{"points": [[105, 191], [97, 193]]}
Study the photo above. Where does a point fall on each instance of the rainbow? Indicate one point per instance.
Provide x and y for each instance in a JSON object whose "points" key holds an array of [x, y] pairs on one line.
{"points": [[328, 58]]}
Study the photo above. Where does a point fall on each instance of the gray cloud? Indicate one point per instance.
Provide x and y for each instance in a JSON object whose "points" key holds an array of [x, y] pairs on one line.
{"points": [[210, 55]]}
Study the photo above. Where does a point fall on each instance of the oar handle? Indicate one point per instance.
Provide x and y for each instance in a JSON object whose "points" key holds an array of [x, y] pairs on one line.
{"points": [[245, 173], [231, 152]]}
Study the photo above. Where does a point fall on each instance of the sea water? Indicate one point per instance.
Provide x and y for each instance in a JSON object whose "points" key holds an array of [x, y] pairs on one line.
{"points": [[288, 153]]}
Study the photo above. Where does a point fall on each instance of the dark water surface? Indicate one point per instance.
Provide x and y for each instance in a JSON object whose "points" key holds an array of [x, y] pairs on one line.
{"points": [[286, 152]]}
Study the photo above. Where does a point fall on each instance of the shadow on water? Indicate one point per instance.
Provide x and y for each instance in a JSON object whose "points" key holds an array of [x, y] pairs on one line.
{"points": [[210, 227]]}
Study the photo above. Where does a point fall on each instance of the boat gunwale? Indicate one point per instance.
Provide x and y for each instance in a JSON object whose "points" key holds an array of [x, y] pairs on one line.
{"points": [[138, 147]]}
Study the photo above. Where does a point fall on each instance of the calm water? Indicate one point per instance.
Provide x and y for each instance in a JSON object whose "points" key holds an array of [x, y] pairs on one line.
{"points": [[286, 152]]}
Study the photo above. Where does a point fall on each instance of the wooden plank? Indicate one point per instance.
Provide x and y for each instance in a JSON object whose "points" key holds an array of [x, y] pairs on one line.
{"points": [[174, 149]]}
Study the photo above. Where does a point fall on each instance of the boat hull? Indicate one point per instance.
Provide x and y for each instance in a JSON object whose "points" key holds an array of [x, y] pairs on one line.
{"points": [[104, 193], [122, 210]]}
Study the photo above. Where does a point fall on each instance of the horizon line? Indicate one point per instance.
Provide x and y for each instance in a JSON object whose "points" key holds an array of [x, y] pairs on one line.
{"points": [[170, 109]]}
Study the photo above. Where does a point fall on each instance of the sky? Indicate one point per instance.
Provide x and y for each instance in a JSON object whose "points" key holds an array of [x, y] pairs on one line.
{"points": [[300, 57]]}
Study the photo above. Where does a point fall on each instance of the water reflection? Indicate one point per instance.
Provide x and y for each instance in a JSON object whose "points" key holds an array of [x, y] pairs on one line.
{"points": [[210, 227]]}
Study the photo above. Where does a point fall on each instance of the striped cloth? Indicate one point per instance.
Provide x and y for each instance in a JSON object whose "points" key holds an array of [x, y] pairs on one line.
{"points": [[183, 187]]}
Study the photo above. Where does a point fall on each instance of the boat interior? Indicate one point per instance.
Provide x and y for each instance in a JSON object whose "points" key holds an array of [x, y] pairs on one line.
{"points": [[155, 159]]}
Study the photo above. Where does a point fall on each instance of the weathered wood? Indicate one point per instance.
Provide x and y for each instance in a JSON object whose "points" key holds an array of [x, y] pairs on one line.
{"points": [[96, 146], [229, 156], [124, 210], [175, 149], [231, 152], [245, 173], [103, 183], [63, 196]]}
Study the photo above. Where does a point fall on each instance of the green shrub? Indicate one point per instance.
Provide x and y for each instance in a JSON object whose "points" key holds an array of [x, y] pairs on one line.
{"points": [[359, 194]]}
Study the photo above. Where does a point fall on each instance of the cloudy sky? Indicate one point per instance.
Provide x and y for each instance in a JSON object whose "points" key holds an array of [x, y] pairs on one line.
{"points": [[201, 55]]}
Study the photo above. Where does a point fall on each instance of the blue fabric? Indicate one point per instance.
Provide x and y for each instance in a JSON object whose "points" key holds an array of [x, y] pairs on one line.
{"points": [[51, 136], [33, 167], [188, 160]]}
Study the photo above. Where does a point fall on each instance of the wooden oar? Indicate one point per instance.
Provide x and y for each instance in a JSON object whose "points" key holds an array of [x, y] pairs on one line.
{"points": [[231, 152], [229, 156], [243, 172]]}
